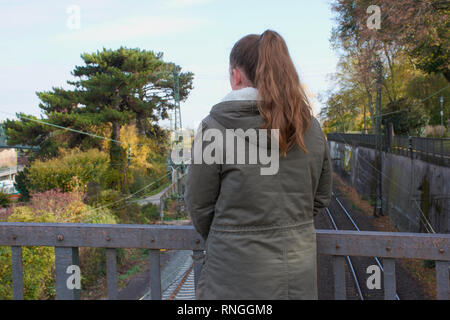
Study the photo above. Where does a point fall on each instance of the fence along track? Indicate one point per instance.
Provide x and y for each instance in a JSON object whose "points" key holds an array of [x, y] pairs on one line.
{"points": [[432, 150]]}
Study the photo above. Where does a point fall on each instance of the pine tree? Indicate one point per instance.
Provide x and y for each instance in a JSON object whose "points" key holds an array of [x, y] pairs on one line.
{"points": [[113, 88]]}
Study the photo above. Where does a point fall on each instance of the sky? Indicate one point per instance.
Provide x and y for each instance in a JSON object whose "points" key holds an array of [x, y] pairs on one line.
{"points": [[41, 42]]}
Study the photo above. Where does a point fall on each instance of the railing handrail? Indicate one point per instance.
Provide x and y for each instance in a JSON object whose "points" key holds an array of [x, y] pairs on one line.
{"points": [[68, 237], [100, 235], [353, 243]]}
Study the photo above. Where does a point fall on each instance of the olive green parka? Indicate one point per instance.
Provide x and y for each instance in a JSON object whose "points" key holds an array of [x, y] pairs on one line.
{"points": [[259, 231]]}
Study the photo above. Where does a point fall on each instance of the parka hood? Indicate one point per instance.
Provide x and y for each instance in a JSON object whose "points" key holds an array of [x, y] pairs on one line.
{"points": [[238, 114], [238, 110]]}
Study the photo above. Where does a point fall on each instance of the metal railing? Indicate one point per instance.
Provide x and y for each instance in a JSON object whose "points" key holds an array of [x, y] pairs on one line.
{"points": [[434, 150], [67, 238]]}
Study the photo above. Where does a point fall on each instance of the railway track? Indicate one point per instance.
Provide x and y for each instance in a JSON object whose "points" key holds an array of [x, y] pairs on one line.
{"points": [[356, 265], [177, 279]]}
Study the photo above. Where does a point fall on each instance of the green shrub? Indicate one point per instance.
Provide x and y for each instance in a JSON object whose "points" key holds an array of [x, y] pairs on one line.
{"points": [[5, 200], [108, 197], [150, 213], [72, 171]]}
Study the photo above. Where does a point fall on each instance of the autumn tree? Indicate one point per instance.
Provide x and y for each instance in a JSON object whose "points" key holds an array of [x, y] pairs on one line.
{"points": [[412, 41]]}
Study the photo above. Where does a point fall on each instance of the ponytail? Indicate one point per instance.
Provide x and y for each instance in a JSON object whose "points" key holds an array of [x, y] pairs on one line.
{"points": [[282, 101]]}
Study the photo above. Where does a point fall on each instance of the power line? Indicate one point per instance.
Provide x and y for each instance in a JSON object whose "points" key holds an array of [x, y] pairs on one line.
{"points": [[405, 109], [68, 129], [61, 127], [117, 201]]}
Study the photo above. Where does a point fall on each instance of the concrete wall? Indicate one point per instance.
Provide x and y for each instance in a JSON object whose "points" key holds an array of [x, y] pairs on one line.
{"points": [[411, 187]]}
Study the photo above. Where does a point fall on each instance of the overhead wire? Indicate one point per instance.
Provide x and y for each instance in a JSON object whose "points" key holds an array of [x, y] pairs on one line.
{"points": [[117, 201]]}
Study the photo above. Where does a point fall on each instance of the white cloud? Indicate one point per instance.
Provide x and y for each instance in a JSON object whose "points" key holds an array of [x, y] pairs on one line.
{"points": [[184, 3], [132, 28]]}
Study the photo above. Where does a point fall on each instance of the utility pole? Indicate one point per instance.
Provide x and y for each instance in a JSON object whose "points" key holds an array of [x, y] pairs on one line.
{"points": [[128, 167], [178, 134], [377, 208], [176, 92], [441, 99], [364, 117]]}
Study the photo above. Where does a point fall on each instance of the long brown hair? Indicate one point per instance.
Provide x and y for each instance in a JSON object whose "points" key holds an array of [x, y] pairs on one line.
{"points": [[282, 102]]}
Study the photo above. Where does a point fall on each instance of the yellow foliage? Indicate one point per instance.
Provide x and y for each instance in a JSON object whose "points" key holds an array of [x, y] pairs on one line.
{"points": [[141, 147], [69, 172], [38, 262]]}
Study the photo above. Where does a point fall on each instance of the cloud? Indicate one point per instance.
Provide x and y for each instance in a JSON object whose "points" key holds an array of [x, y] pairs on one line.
{"points": [[184, 3], [132, 28], [22, 16]]}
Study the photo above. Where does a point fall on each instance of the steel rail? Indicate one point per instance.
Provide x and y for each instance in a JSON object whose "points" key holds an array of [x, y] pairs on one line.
{"points": [[348, 259], [357, 229]]}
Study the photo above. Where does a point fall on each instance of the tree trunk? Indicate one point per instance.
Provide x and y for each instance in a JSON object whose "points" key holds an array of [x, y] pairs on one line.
{"points": [[140, 124], [117, 158]]}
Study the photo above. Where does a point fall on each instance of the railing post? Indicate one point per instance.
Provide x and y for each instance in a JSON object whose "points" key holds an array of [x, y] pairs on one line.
{"points": [[111, 273], [65, 257], [161, 207], [389, 279], [198, 256], [442, 280], [339, 277], [155, 274], [17, 272], [434, 151]]}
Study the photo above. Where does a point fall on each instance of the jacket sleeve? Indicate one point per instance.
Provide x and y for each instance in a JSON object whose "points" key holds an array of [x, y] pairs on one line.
{"points": [[322, 197], [202, 191]]}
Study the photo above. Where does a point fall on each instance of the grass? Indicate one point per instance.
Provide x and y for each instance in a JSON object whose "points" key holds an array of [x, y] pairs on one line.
{"points": [[133, 270]]}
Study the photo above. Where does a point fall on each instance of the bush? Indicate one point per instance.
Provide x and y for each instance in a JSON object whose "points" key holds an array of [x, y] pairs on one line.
{"points": [[72, 171], [107, 198], [38, 262], [150, 213], [5, 200]]}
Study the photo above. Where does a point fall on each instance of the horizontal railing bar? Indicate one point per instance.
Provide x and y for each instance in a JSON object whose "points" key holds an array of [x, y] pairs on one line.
{"points": [[384, 244], [100, 235], [329, 242]]}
